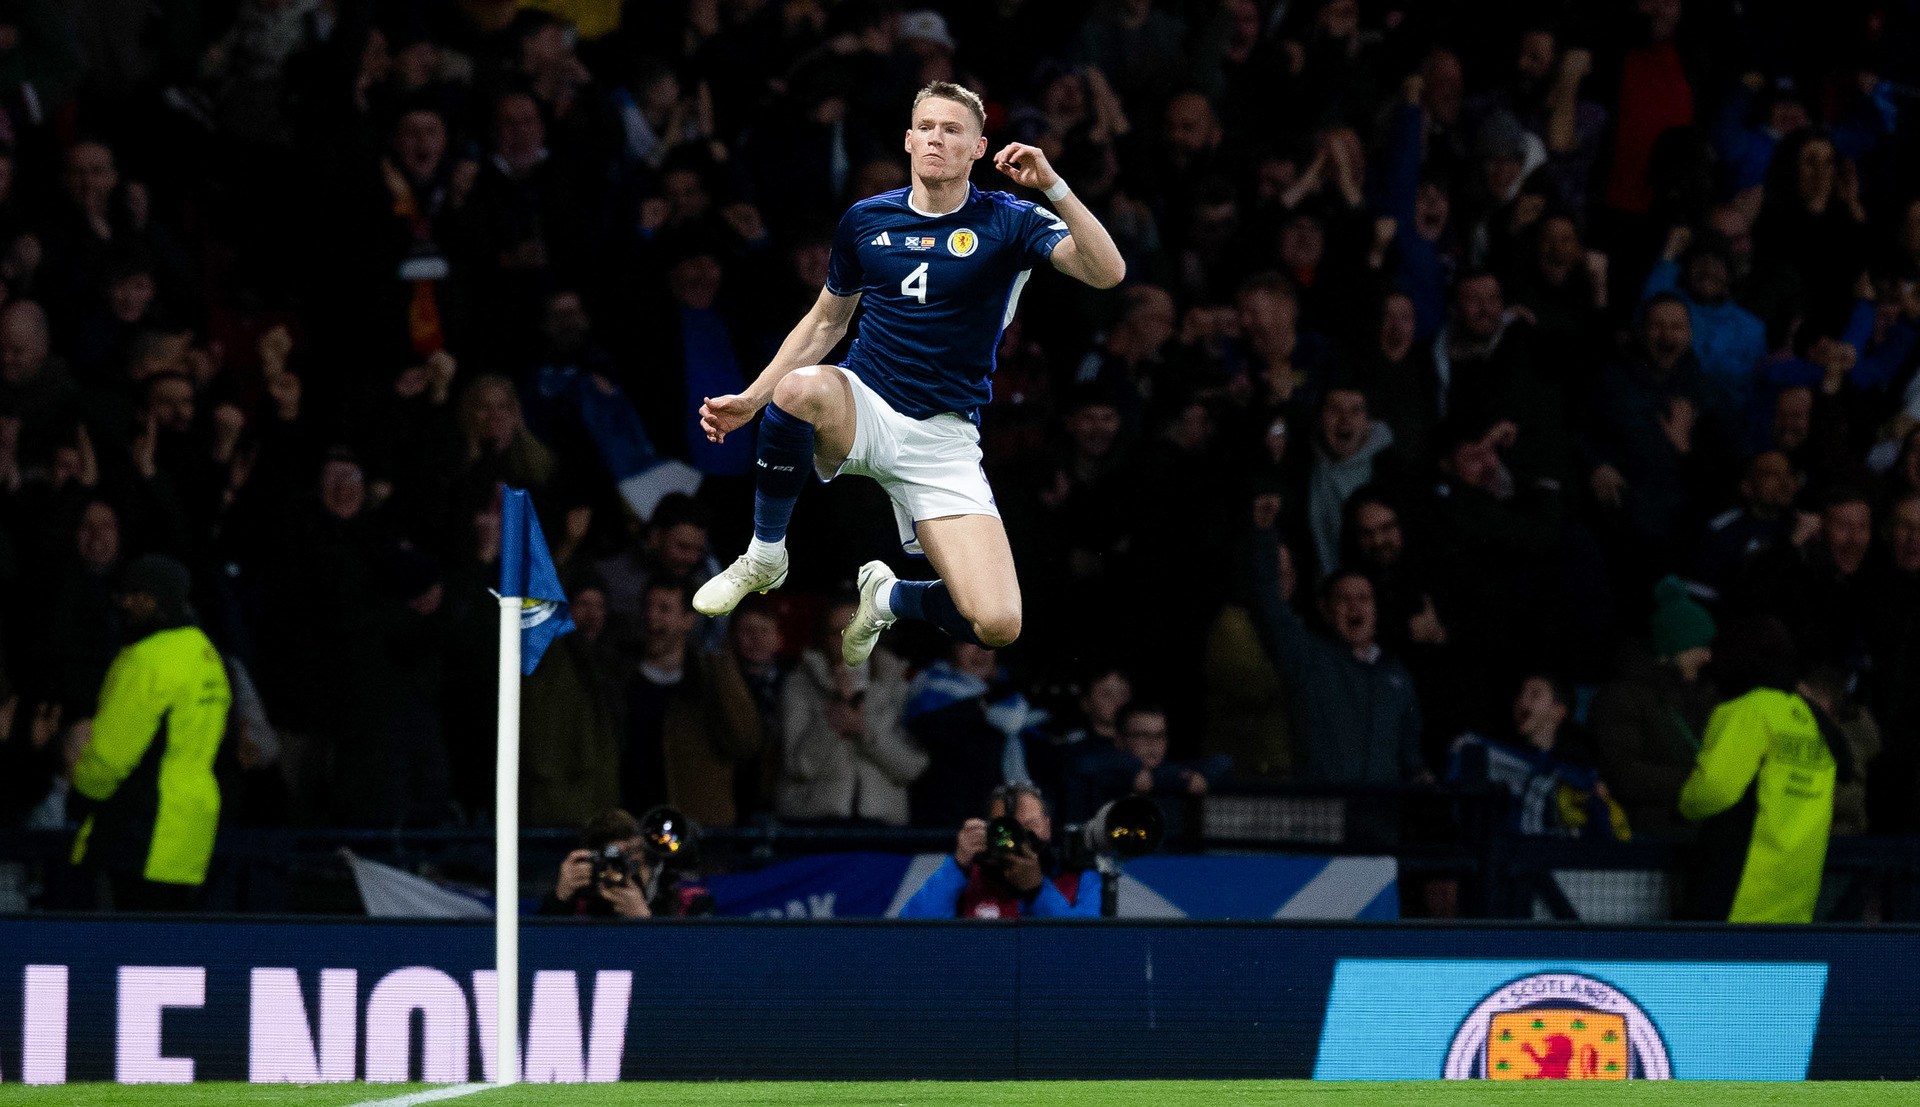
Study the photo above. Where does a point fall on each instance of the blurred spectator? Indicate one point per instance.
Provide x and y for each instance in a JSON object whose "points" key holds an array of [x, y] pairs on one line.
{"points": [[972, 728], [1094, 720], [847, 754], [1347, 448], [1248, 716], [676, 549], [1728, 339], [1648, 724], [1819, 587], [1894, 636], [1355, 712], [1136, 764], [37, 756], [1659, 435], [758, 642], [1546, 764], [570, 723], [82, 619], [1763, 522], [690, 718]]}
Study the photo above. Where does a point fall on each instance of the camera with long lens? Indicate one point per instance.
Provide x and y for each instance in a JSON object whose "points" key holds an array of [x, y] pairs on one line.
{"points": [[666, 843], [668, 838], [1129, 827]]}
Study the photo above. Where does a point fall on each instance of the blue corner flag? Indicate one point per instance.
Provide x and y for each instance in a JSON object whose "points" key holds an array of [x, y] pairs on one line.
{"points": [[526, 571]]}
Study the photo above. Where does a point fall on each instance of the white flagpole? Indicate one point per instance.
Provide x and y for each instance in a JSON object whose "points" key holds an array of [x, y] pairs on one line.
{"points": [[506, 850]]}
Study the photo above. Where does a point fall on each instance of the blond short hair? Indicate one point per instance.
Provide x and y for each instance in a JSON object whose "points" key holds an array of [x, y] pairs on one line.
{"points": [[959, 94]]}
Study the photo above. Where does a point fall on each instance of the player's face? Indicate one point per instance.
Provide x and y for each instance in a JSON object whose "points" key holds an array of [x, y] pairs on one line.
{"points": [[944, 141]]}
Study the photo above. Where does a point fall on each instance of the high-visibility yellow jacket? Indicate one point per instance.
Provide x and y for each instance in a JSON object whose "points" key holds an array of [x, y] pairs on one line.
{"points": [[162, 715], [1765, 754]]}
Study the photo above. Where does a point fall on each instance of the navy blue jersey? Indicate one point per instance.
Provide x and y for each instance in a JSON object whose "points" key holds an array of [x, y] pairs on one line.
{"points": [[935, 293]]}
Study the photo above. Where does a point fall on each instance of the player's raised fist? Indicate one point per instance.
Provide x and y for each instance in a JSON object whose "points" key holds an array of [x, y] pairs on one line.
{"points": [[1026, 165]]}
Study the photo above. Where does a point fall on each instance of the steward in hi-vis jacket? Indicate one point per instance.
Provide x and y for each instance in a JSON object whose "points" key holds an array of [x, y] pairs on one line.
{"points": [[1765, 777], [144, 788]]}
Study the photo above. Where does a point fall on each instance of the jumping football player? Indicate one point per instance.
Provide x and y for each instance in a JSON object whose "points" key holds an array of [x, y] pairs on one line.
{"points": [[938, 268]]}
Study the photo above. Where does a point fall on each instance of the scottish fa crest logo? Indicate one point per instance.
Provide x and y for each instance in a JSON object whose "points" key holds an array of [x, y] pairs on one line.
{"points": [[1558, 1026], [534, 612], [962, 242]]}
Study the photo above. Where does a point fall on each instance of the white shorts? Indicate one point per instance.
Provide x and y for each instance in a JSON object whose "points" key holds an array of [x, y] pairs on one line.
{"points": [[930, 467]]}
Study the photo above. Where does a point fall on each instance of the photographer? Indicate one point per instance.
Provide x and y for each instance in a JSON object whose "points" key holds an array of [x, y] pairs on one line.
{"points": [[1005, 866], [612, 876]]}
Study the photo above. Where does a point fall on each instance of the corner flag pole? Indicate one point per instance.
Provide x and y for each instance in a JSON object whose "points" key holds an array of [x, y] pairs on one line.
{"points": [[506, 851]]}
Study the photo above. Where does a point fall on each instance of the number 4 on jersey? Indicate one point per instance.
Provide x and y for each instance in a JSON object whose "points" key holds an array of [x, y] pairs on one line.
{"points": [[915, 285]]}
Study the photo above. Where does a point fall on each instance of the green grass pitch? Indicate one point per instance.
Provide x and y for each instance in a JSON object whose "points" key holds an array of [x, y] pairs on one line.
{"points": [[1089, 1093]]}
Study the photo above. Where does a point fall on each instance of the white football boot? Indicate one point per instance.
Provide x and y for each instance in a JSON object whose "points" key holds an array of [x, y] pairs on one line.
{"points": [[747, 574], [861, 635]]}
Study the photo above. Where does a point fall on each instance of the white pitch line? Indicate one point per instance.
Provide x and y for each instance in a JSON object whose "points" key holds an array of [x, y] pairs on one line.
{"points": [[412, 1099]]}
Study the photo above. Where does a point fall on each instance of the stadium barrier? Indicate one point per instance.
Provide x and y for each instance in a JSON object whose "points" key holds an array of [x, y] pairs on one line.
{"points": [[1450, 852], [302, 1000]]}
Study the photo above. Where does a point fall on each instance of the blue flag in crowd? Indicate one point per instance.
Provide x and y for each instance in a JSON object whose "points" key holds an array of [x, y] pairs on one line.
{"points": [[526, 571]]}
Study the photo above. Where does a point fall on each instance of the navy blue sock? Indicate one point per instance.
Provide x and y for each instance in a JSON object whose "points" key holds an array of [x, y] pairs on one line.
{"points": [[930, 602], [786, 453]]}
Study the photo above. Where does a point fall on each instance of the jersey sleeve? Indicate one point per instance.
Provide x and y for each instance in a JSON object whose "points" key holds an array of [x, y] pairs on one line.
{"points": [[845, 277], [1037, 231]]}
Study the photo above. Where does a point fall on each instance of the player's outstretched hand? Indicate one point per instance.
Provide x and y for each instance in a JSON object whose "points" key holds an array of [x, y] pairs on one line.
{"points": [[722, 415], [1026, 165]]}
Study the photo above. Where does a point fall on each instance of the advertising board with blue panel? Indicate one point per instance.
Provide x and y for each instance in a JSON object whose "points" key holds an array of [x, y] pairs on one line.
{"points": [[95, 998], [1232, 886]]}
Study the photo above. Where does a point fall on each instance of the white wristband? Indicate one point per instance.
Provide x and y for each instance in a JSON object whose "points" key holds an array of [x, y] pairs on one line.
{"points": [[1058, 191]]}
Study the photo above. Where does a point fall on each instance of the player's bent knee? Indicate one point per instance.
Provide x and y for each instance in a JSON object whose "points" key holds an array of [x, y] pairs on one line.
{"points": [[999, 629], [809, 393]]}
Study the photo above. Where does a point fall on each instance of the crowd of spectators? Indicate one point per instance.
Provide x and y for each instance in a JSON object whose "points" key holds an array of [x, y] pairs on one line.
{"points": [[1468, 351]]}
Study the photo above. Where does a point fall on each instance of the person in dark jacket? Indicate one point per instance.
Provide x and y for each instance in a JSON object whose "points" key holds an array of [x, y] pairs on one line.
{"points": [[611, 875], [571, 720], [1356, 714], [1648, 723], [973, 730], [1659, 438]]}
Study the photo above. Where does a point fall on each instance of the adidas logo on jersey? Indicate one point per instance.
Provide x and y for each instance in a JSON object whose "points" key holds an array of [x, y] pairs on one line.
{"points": [[881, 239]]}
